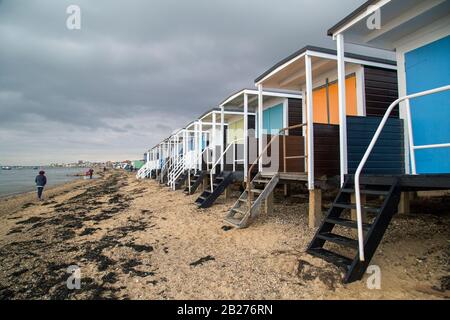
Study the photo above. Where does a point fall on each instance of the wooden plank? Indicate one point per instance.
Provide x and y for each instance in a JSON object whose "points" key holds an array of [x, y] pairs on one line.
{"points": [[421, 182], [315, 208]]}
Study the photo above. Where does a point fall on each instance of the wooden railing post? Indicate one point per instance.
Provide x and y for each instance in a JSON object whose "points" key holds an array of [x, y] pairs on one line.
{"points": [[249, 183]]}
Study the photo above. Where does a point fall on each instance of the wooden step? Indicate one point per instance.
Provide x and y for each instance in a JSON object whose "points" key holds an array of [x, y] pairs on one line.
{"points": [[261, 181], [233, 221], [257, 190], [365, 191], [338, 239], [239, 211], [331, 257], [353, 206], [347, 223]]}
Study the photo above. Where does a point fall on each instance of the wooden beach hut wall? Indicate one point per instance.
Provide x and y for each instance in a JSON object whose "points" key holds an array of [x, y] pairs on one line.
{"points": [[312, 72], [418, 32], [280, 110], [222, 160]]}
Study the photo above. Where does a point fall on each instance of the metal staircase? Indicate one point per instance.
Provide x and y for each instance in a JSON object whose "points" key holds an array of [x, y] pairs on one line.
{"points": [[245, 209], [194, 182], [339, 230], [219, 184]]}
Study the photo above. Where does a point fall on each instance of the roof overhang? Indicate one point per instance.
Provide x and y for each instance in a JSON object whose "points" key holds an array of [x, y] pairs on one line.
{"points": [[399, 18], [290, 73], [237, 99]]}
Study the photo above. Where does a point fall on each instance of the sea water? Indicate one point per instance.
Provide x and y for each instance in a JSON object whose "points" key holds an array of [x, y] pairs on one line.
{"points": [[20, 180]]}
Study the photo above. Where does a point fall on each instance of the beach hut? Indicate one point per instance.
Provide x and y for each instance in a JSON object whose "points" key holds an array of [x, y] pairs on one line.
{"points": [[313, 158], [150, 164], [418, 32], [221, 156], [280, 109]]}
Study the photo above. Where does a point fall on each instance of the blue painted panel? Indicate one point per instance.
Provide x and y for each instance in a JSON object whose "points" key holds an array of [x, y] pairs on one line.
{"points": [[428, 67], [387, 156], [273, 119]]}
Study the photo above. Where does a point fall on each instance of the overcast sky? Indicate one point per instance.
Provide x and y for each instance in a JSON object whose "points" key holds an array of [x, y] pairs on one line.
{"points": [[136, 70]]}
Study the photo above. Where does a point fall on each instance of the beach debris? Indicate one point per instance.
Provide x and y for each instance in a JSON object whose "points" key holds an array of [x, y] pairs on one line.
{"points": [[110, 277], [27, 205], [202, 261], [226, 228], [88, 231], [328, 275], [139, 247]]}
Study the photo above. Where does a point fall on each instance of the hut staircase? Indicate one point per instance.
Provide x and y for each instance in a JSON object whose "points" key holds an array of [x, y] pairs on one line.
{"points": [[179, 182], [219, 184], [195, 182], [338, 233], [163, 178], [242, 213]]}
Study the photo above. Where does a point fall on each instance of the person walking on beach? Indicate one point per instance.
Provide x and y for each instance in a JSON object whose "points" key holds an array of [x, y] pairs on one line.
{"points": [[91, 173], [41, 181]]}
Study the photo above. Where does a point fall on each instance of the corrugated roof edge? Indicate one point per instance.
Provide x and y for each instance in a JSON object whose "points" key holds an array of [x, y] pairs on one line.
{"points": [[324, 50], [351, 16]]}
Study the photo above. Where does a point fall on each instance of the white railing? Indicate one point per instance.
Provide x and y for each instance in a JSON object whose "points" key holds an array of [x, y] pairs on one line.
{"points": [[145, 170], [141, 172], [164, 167], [207, 160], [412, 149], [175, 169], [233, 143]]}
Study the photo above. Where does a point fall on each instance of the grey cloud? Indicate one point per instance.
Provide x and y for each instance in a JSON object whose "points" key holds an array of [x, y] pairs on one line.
{"points": [[136, 70]]}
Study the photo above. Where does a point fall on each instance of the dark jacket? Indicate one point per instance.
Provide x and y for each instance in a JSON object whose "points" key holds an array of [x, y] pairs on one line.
{"points": [[41, 180]]}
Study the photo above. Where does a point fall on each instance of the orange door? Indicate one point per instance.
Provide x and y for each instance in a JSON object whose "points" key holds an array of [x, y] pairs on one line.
{"points": [[329, 114]]}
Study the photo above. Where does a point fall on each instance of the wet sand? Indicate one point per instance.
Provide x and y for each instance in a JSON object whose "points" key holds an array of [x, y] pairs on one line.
{"points": [[137, 240]]}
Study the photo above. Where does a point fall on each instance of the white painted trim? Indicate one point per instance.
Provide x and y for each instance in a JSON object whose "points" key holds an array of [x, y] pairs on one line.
{"points": [[404, 17], [304, 127], [251, 92], [342, 107], [214, 138], [286, 116], [287, 63], [310, 122], [260, 124], [222, 136], [351, 60], [200, 138], [360, 17], [246, 137], [360, 92]]}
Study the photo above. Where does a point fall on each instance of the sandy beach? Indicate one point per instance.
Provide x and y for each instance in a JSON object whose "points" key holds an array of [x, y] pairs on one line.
{"points": [[137, 240]]}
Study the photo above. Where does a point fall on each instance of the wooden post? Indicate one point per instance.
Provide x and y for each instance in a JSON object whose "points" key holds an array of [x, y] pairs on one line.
{"points": [[228, 192], [315, 207], [268, 204], [404, 205], [205, 182], [287, 190]]}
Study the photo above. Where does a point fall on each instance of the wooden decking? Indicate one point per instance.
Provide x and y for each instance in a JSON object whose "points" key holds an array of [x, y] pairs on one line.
{"points": [[407, 182], [288, 176]]}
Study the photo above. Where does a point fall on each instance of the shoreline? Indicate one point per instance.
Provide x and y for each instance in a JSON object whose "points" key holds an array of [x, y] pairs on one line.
{"points": [[18, 200], [137, 240], [73, 178]]}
